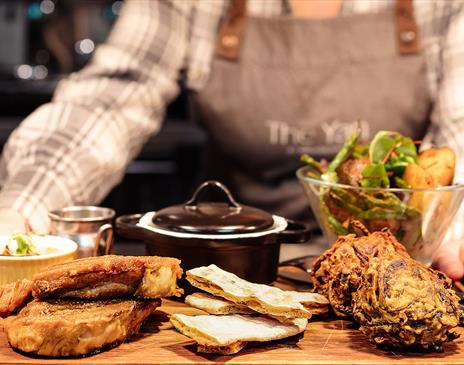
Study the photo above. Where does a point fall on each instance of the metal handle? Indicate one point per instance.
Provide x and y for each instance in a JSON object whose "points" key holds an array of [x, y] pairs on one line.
{"points": [[296, 232], [126, 226], [108, 242], [193, 202]]}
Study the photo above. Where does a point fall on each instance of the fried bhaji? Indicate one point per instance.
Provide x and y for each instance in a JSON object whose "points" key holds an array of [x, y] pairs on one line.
{"points": [[338, 271], [401, 303], [397, 301]]}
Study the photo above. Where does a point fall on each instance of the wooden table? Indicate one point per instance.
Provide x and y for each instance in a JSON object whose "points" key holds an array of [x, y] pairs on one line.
{"points": [[329, 341]]}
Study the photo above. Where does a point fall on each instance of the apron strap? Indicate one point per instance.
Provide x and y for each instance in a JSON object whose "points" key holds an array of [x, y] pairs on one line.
{"points": [[406, 28], [231, 32]]}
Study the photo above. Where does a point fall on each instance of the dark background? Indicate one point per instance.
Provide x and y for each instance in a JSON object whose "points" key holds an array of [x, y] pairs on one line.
{"points": [[42, 42]]}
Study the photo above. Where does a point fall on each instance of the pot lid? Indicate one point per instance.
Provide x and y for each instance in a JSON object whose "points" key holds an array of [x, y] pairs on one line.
{"points": [[208, 217]]}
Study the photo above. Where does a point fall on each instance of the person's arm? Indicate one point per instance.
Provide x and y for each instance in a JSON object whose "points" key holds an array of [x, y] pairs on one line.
{"points": [[74, 149], [448, 130]]}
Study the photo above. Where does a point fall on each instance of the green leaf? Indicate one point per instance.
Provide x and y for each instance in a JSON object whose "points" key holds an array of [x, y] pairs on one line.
{"points": [[346, 195], [383, 200], [311, 162], [375, 176], [24, 244], [401, 183], [312, 175], [382, 214], [381, 145], [342, 203], [398, 164], [330, 177], [406, 148], [360, 151], [334, 225], [344, 152], [404, 153]]}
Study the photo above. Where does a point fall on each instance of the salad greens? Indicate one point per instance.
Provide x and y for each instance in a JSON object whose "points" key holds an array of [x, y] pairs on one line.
{"points": [[380, 164], [25, 246], [385, 184]]}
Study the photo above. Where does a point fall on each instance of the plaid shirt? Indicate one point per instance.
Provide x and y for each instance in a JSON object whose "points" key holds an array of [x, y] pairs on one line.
{"points": [[74, 149]]}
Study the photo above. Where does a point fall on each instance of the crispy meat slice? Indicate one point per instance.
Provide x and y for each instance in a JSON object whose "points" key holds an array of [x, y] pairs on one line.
{"points": [[14, 296], [60, 328], [110, 277]]}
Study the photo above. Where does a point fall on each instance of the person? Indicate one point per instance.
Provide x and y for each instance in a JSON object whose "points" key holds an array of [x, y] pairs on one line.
{"points": [[269, 80]]}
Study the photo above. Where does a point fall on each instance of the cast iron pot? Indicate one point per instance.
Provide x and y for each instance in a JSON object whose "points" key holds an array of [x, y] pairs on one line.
{"points": [[237, 238]]}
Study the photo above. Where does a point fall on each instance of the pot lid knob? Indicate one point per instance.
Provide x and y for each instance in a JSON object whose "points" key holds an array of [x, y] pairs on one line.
{"points": [[192, 204], [197, 216]]}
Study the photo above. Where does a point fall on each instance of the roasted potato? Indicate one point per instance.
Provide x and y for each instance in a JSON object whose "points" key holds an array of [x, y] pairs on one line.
{"points": [[417, 178], [440, 163]]}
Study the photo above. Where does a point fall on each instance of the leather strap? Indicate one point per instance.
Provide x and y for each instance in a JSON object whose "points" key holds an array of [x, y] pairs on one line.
{"points": [[407, 34], [231, 33]]}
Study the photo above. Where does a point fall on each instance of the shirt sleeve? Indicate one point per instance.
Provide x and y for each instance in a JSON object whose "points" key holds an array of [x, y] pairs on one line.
{"points": [[74, 149], [447, 127]]}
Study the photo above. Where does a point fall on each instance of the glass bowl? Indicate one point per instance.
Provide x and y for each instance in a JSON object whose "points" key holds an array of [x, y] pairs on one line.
{"points": [[419, 218]]}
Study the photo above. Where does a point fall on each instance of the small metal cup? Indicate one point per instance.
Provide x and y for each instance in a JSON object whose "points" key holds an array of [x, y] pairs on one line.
{"points": [[90, 227]]}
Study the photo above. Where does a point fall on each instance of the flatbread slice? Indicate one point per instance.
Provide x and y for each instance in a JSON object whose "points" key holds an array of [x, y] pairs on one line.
{"points": [[316, 303], [220, 306], [223, 350], [261, 298], [213, 332], [211, 304], [216, 305]]}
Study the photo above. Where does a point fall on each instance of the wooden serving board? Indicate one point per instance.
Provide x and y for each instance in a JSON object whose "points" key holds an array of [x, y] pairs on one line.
{"points": [[329, 341]]}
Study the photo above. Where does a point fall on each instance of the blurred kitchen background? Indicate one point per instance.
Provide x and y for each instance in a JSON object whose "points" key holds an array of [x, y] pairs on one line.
{"points": [[41, 41]]}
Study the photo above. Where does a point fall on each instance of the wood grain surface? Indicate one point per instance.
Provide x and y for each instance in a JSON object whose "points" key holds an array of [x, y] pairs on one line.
{"points": [[326, 341]]}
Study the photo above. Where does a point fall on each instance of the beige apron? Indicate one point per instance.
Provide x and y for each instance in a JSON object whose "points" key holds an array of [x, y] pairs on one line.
{"points": [[284, 86]]}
